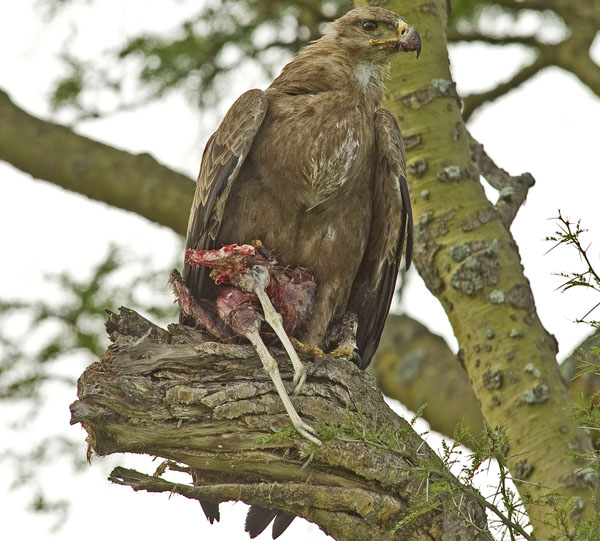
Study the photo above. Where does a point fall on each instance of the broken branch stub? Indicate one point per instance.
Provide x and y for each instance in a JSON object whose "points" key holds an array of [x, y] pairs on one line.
{"points": [[211, 407]]}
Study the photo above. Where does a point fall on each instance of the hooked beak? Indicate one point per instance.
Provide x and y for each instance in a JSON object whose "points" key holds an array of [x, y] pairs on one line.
{"points": [[408, 38]]}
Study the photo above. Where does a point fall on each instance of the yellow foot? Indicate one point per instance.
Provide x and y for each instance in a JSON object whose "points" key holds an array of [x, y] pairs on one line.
{"points": [[346, 353], [308, 350]]}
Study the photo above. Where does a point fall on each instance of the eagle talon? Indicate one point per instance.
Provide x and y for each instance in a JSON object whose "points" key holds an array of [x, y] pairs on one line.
{"points": [[345, 352], [308, 350]]}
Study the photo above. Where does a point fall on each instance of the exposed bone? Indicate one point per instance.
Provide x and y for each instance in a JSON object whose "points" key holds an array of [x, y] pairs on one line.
{"points": [[256, 281], [270, 366]]}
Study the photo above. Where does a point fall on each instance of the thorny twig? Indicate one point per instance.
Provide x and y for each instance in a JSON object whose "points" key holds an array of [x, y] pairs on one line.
{"points": [[569, 233]]}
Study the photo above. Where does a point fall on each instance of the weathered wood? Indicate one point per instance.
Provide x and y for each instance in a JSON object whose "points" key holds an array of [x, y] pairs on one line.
{"points": [[211, 407]]}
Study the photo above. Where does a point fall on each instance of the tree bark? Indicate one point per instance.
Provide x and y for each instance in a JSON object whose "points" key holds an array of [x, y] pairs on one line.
{"points": [[128, 181], [416, 367], [469, 260], [212, 408]]}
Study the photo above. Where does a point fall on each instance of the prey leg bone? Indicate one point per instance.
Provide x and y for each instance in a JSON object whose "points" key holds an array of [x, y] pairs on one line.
{"points": [[255, 281], [270, 366], [246, 322]]}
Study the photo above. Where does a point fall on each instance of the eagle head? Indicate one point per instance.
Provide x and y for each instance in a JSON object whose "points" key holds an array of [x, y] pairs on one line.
{"points": [[374, 34]]}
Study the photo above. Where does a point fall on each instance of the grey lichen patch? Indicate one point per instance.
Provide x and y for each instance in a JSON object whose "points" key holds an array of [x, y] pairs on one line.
{"points": [[537, 395], [426, 217], [493, 380], [440, 227], [515, 333], [442, 85], [451, 173], [496, 296], [460, 252], [586, 477], [425, 194], [523, 469], [490, 333], [530, 368], [412, 141], [483, 216], [519, 296], [506, 194], [409, 370], [418, 168], [478, 270], [487, 214], [439, 88], [496, 401], [430, 7], [425, 249], [581, 478]]}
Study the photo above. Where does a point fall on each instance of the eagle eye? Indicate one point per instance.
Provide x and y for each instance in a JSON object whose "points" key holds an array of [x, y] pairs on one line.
{"points": [[369, 26]]}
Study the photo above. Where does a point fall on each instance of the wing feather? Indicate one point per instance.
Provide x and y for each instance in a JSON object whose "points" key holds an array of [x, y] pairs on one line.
{"points": [[222, 161], [391, 233]]}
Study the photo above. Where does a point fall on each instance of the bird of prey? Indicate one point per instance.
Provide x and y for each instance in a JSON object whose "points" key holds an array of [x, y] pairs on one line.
{"points": [[314, 167]]}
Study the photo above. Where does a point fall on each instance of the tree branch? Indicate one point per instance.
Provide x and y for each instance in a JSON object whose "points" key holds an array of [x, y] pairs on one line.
{"points": [[416, 367], [512, 191], [455, 35], [212, 407], [534, 5], [51, 152], [473, 101], [579, 63]]}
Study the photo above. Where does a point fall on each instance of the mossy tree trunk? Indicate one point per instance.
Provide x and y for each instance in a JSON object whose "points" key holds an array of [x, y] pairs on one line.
{"points": [[469, 260]]}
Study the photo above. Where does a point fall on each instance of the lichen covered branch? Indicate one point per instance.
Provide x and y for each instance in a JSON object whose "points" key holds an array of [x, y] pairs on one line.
{"points": [[512, 190]]}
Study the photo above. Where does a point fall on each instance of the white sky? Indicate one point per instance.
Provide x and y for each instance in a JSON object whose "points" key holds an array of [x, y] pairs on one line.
{"points": [[549, 128]]}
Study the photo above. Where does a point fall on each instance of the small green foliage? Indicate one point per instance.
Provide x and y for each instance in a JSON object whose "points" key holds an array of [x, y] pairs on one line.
{"points": [[418, 414], [588, 362], [569, 234], [67, 90], [42, 342], [199, 56], [282, 434], [586, 411], [414, 514], [359, 428]]}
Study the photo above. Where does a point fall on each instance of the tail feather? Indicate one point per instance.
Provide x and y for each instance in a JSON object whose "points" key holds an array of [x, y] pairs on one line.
{"points": [[211, 510], [259, 518], [281, 522]]}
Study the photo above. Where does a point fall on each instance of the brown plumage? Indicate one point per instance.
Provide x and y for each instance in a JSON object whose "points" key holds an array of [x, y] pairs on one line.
{"points": [[314, 168]]}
